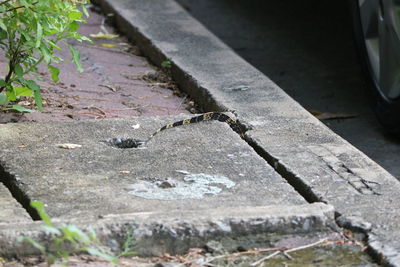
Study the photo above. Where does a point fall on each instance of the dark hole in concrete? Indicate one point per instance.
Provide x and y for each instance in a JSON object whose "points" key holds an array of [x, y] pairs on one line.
{"points": [[125, 142]]}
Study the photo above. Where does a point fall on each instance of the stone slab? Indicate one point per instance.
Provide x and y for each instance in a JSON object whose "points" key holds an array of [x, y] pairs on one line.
{"points": [[197, 166], [174, 232], [11, 210], [300, 147], [364, 194]]}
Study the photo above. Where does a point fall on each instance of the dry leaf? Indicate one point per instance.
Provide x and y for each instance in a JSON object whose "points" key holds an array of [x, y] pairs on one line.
{"points": [[114, 89], [108, 45], [22, 146], [136, 126], [106, 36], [331, 116], [125, 172], [24, 103], [68, 146]]}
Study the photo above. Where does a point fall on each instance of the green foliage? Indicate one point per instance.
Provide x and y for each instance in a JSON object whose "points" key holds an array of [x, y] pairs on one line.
{"points": [[69, 239], [166, 64], [128, 246], [30, 33]]}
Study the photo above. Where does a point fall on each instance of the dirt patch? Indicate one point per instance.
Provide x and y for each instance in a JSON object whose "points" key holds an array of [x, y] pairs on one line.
{"points": [[118, 82]]}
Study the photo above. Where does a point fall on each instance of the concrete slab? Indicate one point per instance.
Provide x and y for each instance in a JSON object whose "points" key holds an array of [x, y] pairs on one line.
{"points": [[364, 194], [197, 166], [321, 165], [175, 231], [11, 210]]}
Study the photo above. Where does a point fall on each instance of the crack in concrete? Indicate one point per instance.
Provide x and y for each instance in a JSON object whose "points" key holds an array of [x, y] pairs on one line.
{"points": [[360, 184], [296, 182]]}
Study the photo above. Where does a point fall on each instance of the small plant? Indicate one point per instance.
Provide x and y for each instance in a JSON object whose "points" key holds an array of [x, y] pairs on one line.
{"points": [[166, 64], [30, 33], [69, 239]]}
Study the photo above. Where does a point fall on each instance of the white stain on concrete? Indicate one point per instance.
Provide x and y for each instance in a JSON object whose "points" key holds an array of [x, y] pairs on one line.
{"points": [[191, 186]]}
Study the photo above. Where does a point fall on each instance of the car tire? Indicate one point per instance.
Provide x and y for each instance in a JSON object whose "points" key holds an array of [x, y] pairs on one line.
{"points": [[385, 99]]}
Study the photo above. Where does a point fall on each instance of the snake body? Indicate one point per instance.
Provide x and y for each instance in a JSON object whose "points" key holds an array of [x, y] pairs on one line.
{"points": [[218, 116]]}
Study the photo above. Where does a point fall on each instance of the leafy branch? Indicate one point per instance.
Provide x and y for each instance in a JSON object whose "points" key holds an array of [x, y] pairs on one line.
{"points": [[30, 33], [68, 240]]}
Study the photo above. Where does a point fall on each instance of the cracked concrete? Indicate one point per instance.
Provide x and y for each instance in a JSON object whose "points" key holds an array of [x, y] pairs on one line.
{"points": [[321, 165], [198, 182], [109, 180], [347, 173]]}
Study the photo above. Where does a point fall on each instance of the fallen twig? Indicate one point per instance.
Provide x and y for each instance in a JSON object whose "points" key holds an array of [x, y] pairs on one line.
{"points": [[114, 89], [307, 246], [236, 254], [286, 251], [100, 116], [287, 255], [265, 258]]}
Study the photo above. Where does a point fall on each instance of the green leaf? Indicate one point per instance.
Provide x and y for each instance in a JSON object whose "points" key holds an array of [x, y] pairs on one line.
{"points": [[38, 99], [54, 73], [3, 99], [2, 25], [52, 44], [23, 91], [39, 207], [2, 82], [166, 64], [76, 56], [85, 11], [86, 39], [27, 36], [46, 53], [3, 34], [73, 26], [77, 234], [39, 34], [74, 15], [19, 71], [32, 85], [11, 94], [22, 109]]}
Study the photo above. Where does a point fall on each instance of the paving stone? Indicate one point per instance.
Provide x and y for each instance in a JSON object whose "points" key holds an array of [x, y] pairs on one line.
{"points": [[197, 166]]}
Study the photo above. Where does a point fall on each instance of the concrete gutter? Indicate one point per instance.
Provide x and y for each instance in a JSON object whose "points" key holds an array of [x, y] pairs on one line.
{"points": [[315, 161]]}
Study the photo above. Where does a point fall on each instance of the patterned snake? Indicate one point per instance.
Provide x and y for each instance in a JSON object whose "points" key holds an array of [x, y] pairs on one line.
{"points": [[218, 116]]}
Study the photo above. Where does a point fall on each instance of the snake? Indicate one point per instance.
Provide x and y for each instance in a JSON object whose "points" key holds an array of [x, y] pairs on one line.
{"points": [[209, 116]]}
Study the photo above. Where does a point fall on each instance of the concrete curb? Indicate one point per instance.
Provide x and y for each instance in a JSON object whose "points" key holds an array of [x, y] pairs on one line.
{"points": [[156, 233], [317, 162]]}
